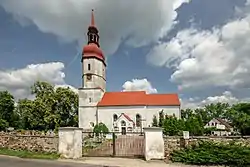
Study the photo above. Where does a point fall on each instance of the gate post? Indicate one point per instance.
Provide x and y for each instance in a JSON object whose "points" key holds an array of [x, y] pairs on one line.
{"points": [[70, 142], [154, 143], [113, 143]]}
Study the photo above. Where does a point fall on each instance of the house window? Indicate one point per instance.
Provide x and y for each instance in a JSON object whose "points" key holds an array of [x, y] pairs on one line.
{"points": [[138, 120], [90, 100], [115, 117], [212, 124], [123, 123], [88, 66]]}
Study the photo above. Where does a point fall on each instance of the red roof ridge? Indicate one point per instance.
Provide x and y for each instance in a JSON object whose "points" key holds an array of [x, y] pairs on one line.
{"points": [[128, 92], [162, 94]]}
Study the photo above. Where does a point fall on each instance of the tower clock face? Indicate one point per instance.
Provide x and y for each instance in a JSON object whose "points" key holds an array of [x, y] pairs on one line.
{"points": [[89, 77]]}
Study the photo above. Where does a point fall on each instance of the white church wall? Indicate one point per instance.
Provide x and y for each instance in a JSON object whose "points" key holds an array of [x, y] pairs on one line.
{"points": [[88, 99], [86, 115], [105, 114]]}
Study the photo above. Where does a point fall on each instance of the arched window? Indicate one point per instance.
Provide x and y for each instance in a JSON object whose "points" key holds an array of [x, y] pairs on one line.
{"points": [[138, 120], [91, 37], [115, 117], [123, 123]]}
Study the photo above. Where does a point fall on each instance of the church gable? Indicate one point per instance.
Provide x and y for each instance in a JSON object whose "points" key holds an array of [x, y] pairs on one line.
{"points": [[126, 118]]}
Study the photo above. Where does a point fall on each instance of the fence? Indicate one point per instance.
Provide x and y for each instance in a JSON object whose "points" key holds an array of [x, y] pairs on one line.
{"points": [[113, 144]]}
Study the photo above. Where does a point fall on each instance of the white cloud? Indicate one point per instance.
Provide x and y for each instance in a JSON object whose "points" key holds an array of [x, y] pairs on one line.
{"points": [[200, 59], [139, 85], [225, 97], [19, 81], [142, 21]]}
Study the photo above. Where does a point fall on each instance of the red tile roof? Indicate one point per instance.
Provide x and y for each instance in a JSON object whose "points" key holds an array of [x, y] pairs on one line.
{"points": [[138, 98]]}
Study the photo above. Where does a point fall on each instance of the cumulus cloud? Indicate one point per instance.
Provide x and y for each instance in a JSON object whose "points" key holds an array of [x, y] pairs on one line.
{"points": [[139, 85], [19, 81], [138, 21], [203, 58], [225, 97]]}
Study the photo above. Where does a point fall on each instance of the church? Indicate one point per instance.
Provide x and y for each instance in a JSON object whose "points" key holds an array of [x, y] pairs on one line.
{"points": [[120, 111]]}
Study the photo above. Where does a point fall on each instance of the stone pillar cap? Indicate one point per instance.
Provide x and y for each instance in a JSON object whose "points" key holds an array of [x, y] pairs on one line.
{"points": [[70, 128], [153, 129]]}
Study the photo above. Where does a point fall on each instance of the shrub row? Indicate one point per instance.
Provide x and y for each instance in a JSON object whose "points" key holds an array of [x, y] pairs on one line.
{"points": [[211, 153]]}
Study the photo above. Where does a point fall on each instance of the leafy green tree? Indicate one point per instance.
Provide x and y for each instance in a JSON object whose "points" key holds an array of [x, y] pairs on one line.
{"points": [[161, 118], [172, 126], [7, 106], [100, 129], [25, 108], [239, 115], [194, 126], [66, 107], [51, 108], [214, 110]]}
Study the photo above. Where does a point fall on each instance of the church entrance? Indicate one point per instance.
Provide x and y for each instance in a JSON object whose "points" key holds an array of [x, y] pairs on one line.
{"points": [[123, 127], [123, 130]]}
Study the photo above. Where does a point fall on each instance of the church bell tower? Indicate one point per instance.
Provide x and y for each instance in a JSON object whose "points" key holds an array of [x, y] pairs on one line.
{"points": [[93, 78]]}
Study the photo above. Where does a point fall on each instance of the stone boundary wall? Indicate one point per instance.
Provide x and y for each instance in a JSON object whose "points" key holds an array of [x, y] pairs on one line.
{"points": [[172, 143], [30, 141]]}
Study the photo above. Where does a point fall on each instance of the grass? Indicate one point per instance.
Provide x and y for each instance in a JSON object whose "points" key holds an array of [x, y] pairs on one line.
{"points": [[28, 154]]}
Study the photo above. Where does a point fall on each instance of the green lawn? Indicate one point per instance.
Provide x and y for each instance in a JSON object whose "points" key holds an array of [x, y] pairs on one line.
{"points": [[28, 154]]}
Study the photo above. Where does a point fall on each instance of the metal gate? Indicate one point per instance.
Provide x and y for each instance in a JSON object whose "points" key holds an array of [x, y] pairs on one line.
{"points": [[113, 144]]}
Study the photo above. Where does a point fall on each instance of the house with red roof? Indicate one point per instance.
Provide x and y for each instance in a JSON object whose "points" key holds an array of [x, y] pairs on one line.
{"points": [[119, 111]]}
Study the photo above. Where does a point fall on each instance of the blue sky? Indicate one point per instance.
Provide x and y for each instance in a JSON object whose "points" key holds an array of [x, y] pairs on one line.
{"points": [[46, 34]]}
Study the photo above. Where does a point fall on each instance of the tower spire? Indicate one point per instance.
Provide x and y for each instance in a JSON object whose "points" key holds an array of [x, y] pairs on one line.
{"points": [[92, 23]]}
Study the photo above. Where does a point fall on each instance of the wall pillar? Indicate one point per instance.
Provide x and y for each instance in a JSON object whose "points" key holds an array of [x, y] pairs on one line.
{"points": [[154, 143], [185, 140], [70, 142]]}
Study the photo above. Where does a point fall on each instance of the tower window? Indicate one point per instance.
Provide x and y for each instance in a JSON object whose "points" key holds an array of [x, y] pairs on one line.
{"points": [[88, 66], [91, 37]]}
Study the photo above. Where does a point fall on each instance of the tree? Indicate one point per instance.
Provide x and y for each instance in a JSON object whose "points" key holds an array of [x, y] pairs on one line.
{"points": [[66, 107], [161, 118], [25, 108], [55, 107], [51, 108], [172, 126], [100, 128], [194, 126], [239, 115], [7, 106], [214, 110], [155, 121]]}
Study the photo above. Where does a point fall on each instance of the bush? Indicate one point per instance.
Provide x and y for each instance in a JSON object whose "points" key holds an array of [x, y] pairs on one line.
{"points": [[101, 128], [210, 153]]}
